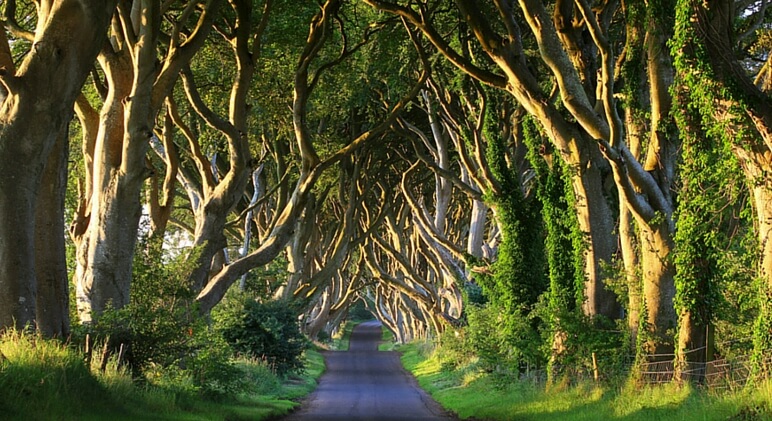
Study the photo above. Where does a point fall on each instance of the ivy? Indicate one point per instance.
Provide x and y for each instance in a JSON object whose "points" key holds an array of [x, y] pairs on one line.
{"points": [[564, 248], [519, 273], [710, 110], [564, 242]]}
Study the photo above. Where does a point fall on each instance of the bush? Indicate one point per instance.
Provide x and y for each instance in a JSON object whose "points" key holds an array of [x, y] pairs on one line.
{"points": [[267, 331], [163, 338], [157, 326], [453, 351]]}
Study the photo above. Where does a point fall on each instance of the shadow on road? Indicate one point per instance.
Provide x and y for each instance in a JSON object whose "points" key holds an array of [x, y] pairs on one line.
{"points": [[365, 384]]}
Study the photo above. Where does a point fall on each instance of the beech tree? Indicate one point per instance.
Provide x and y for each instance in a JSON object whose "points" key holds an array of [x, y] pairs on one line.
{"points": [[36, 109], [310, 69], [735, 109], [134, 91], [575, 141], [574, 44]]}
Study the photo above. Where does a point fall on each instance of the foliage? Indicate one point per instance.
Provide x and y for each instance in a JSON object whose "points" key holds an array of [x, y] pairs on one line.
{"points": [[762, 340], [471, 393], [514, 287], [709, 202], [499, 348], [162, 337], [42, 378], [263, 281], [267, 331], [453, 349], [715, 106], [564, 246], [473, 293], [159, 324]]}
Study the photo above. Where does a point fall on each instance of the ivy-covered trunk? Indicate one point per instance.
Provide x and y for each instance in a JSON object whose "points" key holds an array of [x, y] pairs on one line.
{"points": [[734, 109], [596, 222], [564, 250]]}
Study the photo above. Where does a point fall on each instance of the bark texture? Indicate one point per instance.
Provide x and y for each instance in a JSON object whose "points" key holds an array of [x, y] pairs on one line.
{"points": [[39, 102]]}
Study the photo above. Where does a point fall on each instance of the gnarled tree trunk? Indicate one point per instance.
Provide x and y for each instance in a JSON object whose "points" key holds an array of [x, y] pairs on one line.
{"points": [[38, 104]]}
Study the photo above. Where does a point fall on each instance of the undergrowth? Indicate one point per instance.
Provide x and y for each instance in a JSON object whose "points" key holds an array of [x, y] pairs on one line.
{"points": [[46, 379], [470, 391]]}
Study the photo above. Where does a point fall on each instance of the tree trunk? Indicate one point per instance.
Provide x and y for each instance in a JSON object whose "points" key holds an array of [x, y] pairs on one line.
{"points": [[630, 260], [762, 201], [474, 244], [39, 102], [597, 223], [658, 288], [18, 195], [131, 60], [695, 348], [53, 299], [105, 269]]}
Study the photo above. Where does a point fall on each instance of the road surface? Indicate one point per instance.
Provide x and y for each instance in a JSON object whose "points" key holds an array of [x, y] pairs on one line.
{"points": [[365, 384]]}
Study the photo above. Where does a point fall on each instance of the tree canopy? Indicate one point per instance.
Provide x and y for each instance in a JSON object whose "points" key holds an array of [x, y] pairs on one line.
{"points": [[594, 176]]}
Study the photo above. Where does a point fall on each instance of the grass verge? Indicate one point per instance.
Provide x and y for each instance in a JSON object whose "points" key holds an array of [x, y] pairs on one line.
{"points": [[42, 380], [471, 393], [387, 340], [340, 342]]}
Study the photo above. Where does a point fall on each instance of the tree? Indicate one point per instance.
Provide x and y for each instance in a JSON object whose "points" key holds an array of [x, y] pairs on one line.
{"points": [[36, 110], [308, 73], [134, 91], [734, 108], [518, 79], [584, 125]]}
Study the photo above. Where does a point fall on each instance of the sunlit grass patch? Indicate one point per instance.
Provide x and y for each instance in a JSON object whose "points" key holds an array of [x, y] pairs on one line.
{"points": [[387, 340], [470, 392], [39, 377], [634, 399], [45, 379]]}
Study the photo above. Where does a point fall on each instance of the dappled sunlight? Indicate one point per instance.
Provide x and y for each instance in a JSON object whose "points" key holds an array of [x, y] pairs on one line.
{"points": [[565, 401], [428, 367], [669, 396]]}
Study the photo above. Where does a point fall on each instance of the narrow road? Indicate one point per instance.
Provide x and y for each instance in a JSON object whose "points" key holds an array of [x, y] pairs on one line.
{"points": [[365, 384]]}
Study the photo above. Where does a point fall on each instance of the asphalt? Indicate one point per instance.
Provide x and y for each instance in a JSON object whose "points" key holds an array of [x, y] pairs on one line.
{"points": [[365, 384]]}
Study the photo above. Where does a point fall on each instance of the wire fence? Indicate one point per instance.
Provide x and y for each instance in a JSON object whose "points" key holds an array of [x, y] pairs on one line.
{"points": [[719, 374], [729, 373]]}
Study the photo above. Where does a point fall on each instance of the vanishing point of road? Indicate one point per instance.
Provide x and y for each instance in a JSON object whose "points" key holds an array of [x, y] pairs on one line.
{"points": [[365, 384]]}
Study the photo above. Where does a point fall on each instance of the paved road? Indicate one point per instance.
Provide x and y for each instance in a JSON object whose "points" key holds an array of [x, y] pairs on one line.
{"points": [[364, 384]]}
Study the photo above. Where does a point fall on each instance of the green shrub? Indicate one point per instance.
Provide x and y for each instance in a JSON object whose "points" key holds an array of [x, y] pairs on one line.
{"points": [[157, 326], [163, 338], [453, 350], [486, 337], [503, 342], [259, 376], [267, 331]]}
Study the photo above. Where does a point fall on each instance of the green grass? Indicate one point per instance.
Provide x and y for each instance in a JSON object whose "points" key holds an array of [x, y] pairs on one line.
{"points": [[340, 342], [470, 393], [387, 340], [42, 380]]}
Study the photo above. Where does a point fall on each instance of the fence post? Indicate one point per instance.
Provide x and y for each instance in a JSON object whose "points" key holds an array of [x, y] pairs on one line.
{"points": [[88, 351]]}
